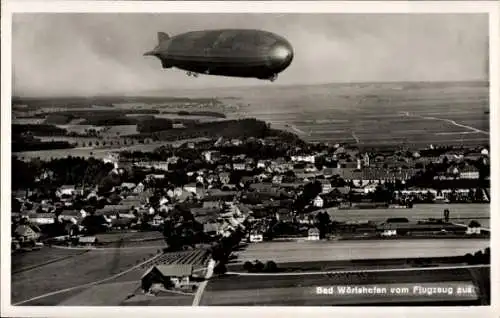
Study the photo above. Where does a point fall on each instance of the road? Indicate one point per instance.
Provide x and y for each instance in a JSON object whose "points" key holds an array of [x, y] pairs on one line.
{"points": [[453, 122], [203, 285], [107, 249]]}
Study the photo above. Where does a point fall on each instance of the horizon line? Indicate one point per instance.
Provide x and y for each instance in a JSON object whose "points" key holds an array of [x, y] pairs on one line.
{"points": [[144, 93]]}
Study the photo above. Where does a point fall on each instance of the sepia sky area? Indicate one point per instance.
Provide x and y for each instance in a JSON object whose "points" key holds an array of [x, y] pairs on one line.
{"points": [[102, 53]]}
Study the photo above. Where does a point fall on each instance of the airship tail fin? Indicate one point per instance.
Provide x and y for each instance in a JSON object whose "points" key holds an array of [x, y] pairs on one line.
{"points": [[162, 36]]}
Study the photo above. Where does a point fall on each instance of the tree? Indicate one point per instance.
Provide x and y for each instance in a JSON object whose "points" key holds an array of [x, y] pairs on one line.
{"points": [[478, 195], [220, 269], [474, 224], [323, 219], [271, 267], [446, 215], [248, 266], [259, 266]]}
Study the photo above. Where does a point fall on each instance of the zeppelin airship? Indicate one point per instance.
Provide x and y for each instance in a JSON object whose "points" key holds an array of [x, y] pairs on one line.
{"points": [[225, 52]]}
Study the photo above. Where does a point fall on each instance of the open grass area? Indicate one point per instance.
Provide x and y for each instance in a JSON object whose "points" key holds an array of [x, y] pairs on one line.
{"points": [[128, 236], [377, 114], [99, 153], [283, 252], [81, 269], [108, 294], [461, 213], [26, 260], [171, 300]]}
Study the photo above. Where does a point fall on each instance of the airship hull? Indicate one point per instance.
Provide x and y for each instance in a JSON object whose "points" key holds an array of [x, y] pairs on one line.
{"points": [[235, 53]]}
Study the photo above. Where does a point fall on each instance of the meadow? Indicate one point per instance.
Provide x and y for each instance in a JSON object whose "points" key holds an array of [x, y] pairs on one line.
{"points": [[27, 260], [414, 115], [284, 252], [459, 213], [80, 269]]}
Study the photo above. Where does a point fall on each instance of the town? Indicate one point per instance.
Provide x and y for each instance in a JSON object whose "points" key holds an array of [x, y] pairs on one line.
{"points": [[207, 198], [251, 179]]}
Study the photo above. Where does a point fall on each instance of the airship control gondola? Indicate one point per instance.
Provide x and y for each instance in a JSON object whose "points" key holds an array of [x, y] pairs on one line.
{"points": [[225, 52]]}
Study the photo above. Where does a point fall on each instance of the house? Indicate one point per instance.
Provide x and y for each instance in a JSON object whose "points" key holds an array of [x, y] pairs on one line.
{"points": [[256, 237], [224, 177], [25, 233], [277, 179], [128, 185], [318, 202], [236, 142], [329, 172], [303, 158], [157, 165], [370, 188], [469, 172], [313, 234], [264, 187], [113, 209], [191, 187], [326, 186], [473, 231], [87, 241], [167, 276], [121, 223], [210, 228], [157, 221], [66, 190], [212, 205], [41, 218], [139, 188], [155, 176], [211, 156], [239, 166], [389, 232], [261, 164]]}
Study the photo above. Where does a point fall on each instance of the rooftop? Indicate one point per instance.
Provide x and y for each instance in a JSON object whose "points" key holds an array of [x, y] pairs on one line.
{"points": [[177, 270]]}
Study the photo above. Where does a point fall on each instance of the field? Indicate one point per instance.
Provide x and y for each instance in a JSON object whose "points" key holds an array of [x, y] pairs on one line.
{"points": [[170, 300], [95, 266], [99, 153], [129, 236], [459, 213], [25, 261], [109, 294], [415, 115], [300, 290], [284, 252], [80, 269]]}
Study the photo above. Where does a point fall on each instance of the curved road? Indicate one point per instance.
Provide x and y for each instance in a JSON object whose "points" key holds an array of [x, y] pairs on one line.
{"points": [[453, 122]]}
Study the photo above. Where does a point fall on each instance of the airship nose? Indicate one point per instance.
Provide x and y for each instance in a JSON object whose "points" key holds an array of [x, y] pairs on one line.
{"points": [[280, 55]]}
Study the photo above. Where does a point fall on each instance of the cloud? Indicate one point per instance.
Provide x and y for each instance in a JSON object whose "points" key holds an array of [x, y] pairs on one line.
{"points": [[89, 54]]}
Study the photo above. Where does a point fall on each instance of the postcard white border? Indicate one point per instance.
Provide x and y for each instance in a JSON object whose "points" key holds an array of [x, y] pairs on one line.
{"points": [[10, 7]]}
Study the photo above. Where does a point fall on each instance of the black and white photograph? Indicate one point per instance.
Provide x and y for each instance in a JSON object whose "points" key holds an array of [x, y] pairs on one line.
{"points": [[249, 159]]}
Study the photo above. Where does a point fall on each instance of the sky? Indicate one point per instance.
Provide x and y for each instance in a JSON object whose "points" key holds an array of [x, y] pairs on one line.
{"points": [[102, 53]]}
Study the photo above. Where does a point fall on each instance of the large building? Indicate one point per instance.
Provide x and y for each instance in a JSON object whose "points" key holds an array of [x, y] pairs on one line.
{"points": [[168, 276]]}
